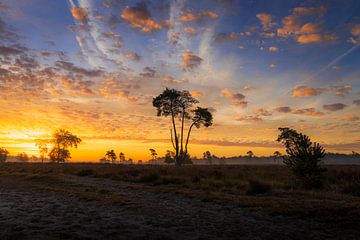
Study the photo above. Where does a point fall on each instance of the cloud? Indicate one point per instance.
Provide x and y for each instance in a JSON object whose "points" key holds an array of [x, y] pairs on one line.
{"points": [[71, 68], [341, 90], [254, 118], [80, 14], [316, 37], [310, 10], [196, 94], [238, 98], [283, 109], [3, 6], [148, 72], [190, 61], [132, 56], [190, 16], [262, 112], [222, 37], [351, 118], [171, 80], [305, 32], [266, 21], [273, 49], [190, 30], [139, 17], [272, 65], [355, 31], [303, 111], [334, 107], [308, 112], [6, 51], [305, 91]]}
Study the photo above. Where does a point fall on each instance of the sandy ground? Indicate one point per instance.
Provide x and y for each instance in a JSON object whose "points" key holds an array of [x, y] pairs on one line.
{"points": [[72, 207]]}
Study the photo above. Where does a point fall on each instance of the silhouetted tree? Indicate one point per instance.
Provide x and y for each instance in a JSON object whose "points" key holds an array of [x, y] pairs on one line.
{"points": [[153, 153], [104, 160], [179, 105], [111, 156], [122, 157], [41, 144], [250, 154], [355, 153], [62, 140], [207, 155], [22, 157], [3, 154], [276, 155], [169, 157], [303, 157]]}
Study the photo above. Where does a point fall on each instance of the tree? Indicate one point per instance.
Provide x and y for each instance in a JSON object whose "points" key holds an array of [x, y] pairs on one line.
{"points": [[303, 157], [22, 157], [111, 156], [41, 144], [207, 155], [122, 157], [104, 160], [169, 157], [3, 154], [62, 140], [276, 155], [153, 153], [179, 105], [250, 154]]}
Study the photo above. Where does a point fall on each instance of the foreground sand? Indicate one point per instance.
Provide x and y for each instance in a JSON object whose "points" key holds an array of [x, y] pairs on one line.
{"points": [[67, 206]]}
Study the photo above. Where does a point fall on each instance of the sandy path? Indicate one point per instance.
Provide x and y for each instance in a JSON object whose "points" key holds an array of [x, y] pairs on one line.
{"points": [[29, 210]]}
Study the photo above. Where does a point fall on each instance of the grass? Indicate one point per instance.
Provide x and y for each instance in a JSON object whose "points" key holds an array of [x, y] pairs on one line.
{"points": [[269, 188]]}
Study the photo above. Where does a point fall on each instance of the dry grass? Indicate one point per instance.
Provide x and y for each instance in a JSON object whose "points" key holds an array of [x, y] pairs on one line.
{"points": [[268, 188]]}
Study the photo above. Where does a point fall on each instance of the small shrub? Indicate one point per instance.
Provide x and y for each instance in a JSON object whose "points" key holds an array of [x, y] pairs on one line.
{"points": [[195, 179], [149, 177], [255, 187], [85, 172], [171, 180], [134, 172], [352, 188]]}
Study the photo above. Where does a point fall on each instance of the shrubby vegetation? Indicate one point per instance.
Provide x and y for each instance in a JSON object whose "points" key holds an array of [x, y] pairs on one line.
{"points": [[303, 157]]}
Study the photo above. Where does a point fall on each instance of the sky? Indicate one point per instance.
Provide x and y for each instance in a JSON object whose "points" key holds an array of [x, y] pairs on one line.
{"points": [[94, 66]]}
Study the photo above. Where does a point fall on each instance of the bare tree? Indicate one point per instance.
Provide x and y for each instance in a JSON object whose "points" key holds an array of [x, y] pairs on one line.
{"points": [[62, 140], [179, 105]]}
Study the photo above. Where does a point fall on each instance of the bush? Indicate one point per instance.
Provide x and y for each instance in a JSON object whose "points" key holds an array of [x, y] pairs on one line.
{"points": [[303, 157], [255, 187], [149, 177], [85, 172], [352, 188]]}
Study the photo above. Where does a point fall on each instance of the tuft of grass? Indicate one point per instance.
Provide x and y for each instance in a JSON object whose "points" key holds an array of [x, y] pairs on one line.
{"points": [[149, 177], [85, 172], [256, 187]]}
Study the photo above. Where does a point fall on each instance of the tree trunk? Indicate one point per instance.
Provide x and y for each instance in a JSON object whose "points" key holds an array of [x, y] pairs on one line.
{"points": [[188, 136], [176, 138]]}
